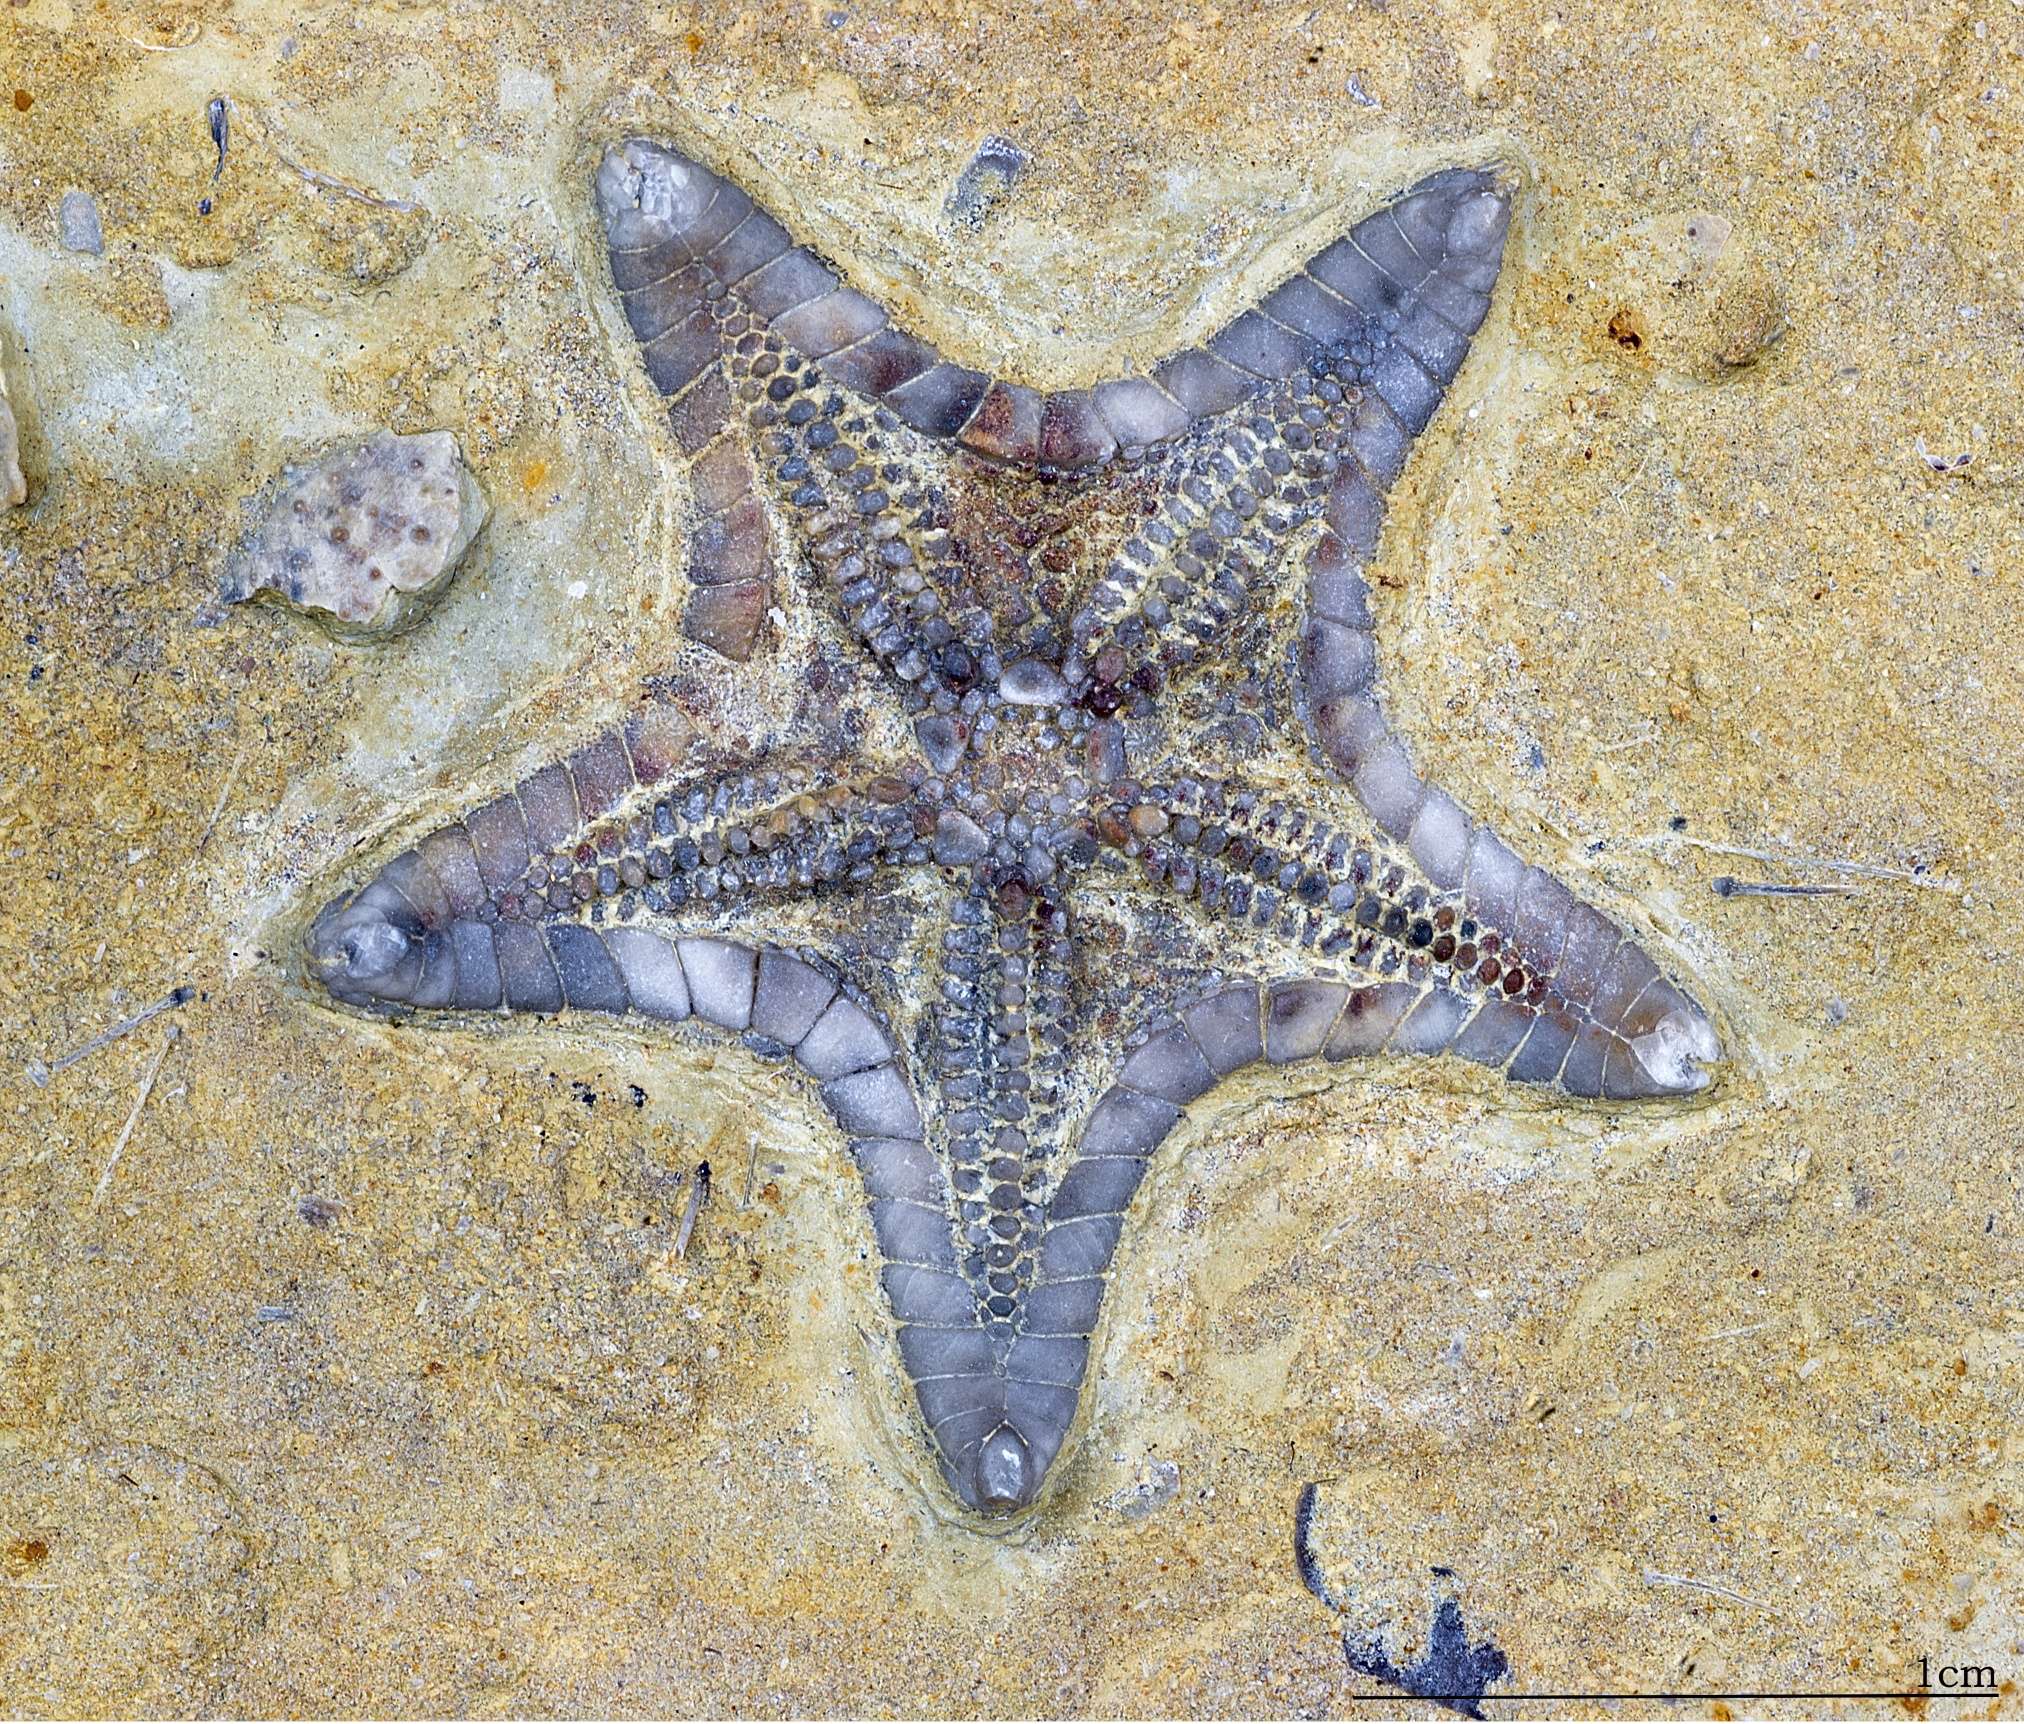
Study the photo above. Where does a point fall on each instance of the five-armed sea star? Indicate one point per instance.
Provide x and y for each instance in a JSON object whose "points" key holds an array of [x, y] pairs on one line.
{"points": [[1091, 824]]}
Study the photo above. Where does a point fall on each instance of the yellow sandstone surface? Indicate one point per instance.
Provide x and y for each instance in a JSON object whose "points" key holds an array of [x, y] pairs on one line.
{"points": [[356, 1368]]}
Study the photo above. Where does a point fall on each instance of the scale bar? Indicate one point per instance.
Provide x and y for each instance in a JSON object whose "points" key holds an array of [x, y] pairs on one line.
{"points": [[1766, 1694]]}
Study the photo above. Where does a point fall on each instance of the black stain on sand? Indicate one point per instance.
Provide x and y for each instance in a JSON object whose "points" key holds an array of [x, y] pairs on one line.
{"points": [[1451, 1672]]}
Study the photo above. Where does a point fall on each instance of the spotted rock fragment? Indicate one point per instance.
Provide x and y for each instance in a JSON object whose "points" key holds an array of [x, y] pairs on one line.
{"points": [[365, 539]]}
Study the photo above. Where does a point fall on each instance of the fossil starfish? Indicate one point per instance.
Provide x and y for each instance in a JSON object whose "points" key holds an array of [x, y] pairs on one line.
{"points": [[1088, 821]]}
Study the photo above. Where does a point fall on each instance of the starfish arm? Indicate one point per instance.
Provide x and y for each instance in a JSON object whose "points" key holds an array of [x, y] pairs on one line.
{"points": [[659, 224], [501, 910], [807, 414], [1448, 941], [1307, 407], [997, 1394], [1361, 444]]}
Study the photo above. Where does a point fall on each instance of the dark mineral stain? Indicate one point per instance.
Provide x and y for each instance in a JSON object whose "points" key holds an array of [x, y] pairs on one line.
{"points": [[1450, 1672], [1303, 1552], [219, 116]]}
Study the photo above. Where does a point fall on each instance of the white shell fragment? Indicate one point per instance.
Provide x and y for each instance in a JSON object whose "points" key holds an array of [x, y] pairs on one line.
{"points": [[13, 487], [1031, 683], [364, 540]]}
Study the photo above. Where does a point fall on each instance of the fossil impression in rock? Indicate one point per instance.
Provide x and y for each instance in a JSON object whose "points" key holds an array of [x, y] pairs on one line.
{"points": [[1119, 821]]}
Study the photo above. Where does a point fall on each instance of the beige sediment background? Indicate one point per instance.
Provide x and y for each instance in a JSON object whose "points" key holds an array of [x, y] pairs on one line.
{"points": [[372, 1380]]}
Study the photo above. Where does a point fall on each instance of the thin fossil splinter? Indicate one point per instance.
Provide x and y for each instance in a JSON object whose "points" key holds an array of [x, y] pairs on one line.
{"points": [[40, 1074], [170, 1036], [699, 1189], [1728, 886], [1073, 601]]}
